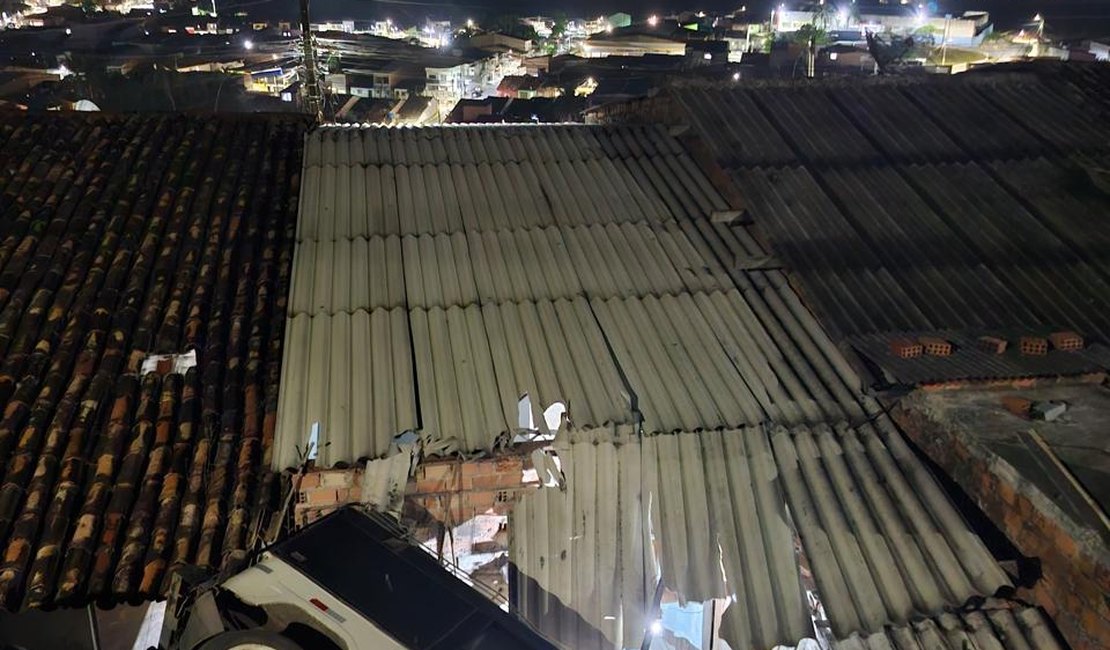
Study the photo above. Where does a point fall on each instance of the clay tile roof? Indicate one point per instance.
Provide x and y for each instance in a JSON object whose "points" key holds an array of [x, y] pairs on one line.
{"points": [[121, 237]]}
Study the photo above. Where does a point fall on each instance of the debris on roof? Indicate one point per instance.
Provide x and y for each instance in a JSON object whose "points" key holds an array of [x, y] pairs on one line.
{"points": [[572, 264], [880, 539], [996, 625]]}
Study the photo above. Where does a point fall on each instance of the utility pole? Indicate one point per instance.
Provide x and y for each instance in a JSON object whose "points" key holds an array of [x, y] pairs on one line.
{"points": [[811, 57], [312, 85], [944, 42]]}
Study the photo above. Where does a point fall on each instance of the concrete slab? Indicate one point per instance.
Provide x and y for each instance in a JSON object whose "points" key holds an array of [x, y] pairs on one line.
{"points": [[1043, 484], [1080, 438]]}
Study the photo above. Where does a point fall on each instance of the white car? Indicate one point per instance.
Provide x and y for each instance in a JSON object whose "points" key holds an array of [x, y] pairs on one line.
{"points": [[351, 581]]}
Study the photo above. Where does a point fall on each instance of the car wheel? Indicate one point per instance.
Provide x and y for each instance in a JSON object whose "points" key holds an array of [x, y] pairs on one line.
{"points": [[249, 640]]}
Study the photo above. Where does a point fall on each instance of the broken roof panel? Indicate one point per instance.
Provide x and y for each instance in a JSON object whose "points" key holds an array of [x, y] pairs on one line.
{"points": [[121, 237], [588, 256], [881, 540], [474, 364], [584, 556], [348, 380], [990, 628]]}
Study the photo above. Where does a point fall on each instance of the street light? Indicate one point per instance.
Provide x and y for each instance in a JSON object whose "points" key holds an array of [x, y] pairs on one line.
{"points": [[248, 44], [653, 20]]}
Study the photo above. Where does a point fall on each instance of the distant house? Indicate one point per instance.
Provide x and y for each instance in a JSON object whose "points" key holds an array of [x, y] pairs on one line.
{"points": [[376, 81], [500, 109], [415, 111], [968, 29], [706, 52], [534, 65], [361, 110], [1100, 49], [631, 42], [336, 83], [522, 86], [620, 19], [476, 110], [270, 79], [846, 58], [498, 42], [449, 82], [620, 88]]}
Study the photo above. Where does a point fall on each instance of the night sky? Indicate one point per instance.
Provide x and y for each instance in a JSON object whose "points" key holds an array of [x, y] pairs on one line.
{"points": [[1062, 15]]}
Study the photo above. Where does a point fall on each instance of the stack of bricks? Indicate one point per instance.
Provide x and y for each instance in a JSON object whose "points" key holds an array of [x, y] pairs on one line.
{"points": [[935, 347], [1066, 341], [992, 344], [906, 348], [1033, 346], [455, 491], [324, 491]]}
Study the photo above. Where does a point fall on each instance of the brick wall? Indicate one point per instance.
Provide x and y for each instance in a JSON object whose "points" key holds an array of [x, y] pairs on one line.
{"points": [[322, 491], [462, 489], [1075, 587], [459, 488]]}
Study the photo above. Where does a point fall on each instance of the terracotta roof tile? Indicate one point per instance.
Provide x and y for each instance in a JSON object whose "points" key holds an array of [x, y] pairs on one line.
{"points": [[121, 237]]}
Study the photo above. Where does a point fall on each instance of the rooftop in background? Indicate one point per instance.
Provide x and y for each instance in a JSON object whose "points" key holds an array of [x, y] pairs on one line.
{"points": [[962, 206]]}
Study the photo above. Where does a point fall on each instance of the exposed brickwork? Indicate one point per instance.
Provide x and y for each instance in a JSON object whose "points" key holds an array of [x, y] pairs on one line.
{"points": [[455, 490], [1076, 583], [322, 492]]}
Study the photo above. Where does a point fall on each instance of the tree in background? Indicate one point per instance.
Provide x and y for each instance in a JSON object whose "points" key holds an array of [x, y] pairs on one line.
{"points": [[559, 29], [888, 54], [511, 24], [812, 38], [823, 14]]}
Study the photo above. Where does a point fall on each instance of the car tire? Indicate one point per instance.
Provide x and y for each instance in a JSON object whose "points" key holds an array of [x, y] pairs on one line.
{"points": [[249, 640]]}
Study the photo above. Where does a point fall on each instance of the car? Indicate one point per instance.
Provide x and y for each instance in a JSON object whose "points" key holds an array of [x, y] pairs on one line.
{"points": [[354, 580]]}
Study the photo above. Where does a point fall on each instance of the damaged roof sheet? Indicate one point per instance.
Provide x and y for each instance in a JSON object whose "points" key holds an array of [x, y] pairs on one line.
{"points": [[587, 271], [940, 204], [991, 628], [121, 237], [879, 538]]}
